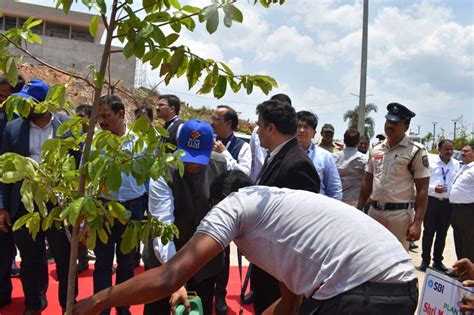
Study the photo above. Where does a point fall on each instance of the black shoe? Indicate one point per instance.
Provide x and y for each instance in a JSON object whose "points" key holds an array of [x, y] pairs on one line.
{"points": [[248, 298], [29, 311], [440, 266], [221, 306], [15, 270], [424, 265], [82, 266], [123, 311], [412, 246]]}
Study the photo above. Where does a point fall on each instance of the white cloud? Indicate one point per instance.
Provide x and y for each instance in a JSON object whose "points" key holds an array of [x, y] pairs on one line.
{"points": [[287, 40], [320, 101]]}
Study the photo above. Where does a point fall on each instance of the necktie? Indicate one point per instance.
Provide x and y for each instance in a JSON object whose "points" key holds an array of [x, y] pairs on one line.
{"points": [[265, 164]]}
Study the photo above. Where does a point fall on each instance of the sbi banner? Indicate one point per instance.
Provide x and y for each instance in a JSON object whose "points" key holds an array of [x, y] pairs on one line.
{"points": [[441, 294]]}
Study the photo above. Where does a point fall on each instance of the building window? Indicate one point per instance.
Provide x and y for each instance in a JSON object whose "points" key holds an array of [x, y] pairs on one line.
{"points": [[57, 30], [81, 33], [38, 29], [10, 22], [1, 23]]}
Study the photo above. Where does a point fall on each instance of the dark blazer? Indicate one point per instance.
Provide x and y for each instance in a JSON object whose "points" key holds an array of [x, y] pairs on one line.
{"points": [[16, 138], [173, 132], [291, 168]]}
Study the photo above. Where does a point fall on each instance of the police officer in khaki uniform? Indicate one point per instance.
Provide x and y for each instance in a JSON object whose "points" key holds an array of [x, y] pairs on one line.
{"points": [[394, 166]]}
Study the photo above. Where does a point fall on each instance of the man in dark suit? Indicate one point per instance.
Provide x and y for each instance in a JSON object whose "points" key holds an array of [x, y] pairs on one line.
{"points": [[8, 265], [286, 166], [168, 109], [25, 137]]}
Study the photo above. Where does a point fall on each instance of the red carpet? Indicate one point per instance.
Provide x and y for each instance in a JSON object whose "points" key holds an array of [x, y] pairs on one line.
{"points": [[85, 290]]}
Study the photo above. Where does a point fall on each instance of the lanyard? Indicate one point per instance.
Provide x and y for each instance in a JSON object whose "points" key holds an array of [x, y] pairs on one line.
{"points": [[445, 174]]}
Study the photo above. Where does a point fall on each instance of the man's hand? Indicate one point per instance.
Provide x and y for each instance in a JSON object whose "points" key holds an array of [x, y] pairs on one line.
{"points": [[180, 296], [464, 270], [414, 231], [86, 307], [439, 189], [5, 221], [219, 146], [467, 302]]}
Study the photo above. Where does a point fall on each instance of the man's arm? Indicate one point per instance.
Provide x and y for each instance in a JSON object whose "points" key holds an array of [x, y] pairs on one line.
{"points": [[365, 190], [288, 304], [332, 178], [414, 230], [161, 206], [156, 283]]}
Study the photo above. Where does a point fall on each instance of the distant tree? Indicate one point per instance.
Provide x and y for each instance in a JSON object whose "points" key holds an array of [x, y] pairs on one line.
{"points": [[352, 117]]}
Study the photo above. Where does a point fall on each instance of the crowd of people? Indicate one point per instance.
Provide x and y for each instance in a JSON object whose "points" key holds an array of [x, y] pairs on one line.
{"points": [[289, 203]]}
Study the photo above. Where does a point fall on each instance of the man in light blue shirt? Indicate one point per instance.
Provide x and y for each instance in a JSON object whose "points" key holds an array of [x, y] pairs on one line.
{"points": [[323, 161], [111, 117]]}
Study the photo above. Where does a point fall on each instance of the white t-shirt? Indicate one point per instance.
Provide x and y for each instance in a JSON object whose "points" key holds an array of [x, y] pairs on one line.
{"points": [[317, 246]]}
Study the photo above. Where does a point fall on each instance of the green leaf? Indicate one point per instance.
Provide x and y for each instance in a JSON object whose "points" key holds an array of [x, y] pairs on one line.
{"points": [[103, 236], [207, 12], [158, 36], [176, 59], [57, 95], [176, 26], [30, 23], [220, 87], [175, 4], [171, 38], [22, 221], [75, 210], [94, 25], [33, 38], [189, 23], [98, 80], [27, 196], [118, 210], [145, 31], [66, 5], [128, 241], [191, 9], [91, 238], [129, 49], [234, 13], [227, 21], [114, 177], [12, 177], [212, 22]]}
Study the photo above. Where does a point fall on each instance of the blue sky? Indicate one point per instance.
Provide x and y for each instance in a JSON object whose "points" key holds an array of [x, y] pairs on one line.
{"points": [[420, 54]]}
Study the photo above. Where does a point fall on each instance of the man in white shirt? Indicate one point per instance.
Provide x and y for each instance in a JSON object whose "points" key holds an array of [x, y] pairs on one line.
{"points": [[462, 202], [224, 121], [437, 218], [366, 272]]}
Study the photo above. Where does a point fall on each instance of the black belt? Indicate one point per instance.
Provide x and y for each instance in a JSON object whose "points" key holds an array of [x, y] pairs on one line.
{"points": [[389, 206], [381, 289]]}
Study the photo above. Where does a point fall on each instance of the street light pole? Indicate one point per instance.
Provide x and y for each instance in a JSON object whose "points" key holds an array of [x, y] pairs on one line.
{"points": [[363, 69], [434, 133]]}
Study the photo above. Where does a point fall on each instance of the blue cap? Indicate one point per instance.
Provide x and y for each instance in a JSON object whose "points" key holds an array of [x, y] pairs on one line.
{"points": [[36, 89], [398, 112], [196, 139]]}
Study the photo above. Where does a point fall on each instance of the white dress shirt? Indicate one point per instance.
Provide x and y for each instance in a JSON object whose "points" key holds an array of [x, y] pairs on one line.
{"points": [[38, 136], [243, 162], [161, 206], [463, 185], [441, 174]]}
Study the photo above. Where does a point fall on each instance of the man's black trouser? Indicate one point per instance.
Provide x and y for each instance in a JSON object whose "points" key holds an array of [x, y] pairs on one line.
{"points": [[204, 289], [6, 256], [370, 298], [462, 220], [266, 289], [223, 276], [436, 221], [34, 264]]}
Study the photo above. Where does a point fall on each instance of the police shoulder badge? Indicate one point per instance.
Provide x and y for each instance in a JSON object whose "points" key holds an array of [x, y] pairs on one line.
{"points": [[424, 160]]}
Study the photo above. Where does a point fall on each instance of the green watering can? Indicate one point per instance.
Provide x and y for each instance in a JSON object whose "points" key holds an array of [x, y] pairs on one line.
{"points": [[196, 305]]}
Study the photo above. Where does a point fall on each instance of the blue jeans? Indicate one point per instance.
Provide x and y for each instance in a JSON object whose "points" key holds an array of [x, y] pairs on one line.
{"points": [[104, 254]]}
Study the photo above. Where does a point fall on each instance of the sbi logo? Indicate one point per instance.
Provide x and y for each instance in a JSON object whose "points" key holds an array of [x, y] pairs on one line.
{"points": [[438, 287]]}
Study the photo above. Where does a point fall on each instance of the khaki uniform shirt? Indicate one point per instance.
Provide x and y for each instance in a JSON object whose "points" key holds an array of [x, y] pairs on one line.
{"points": [[395, 169], [332, 148]]}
